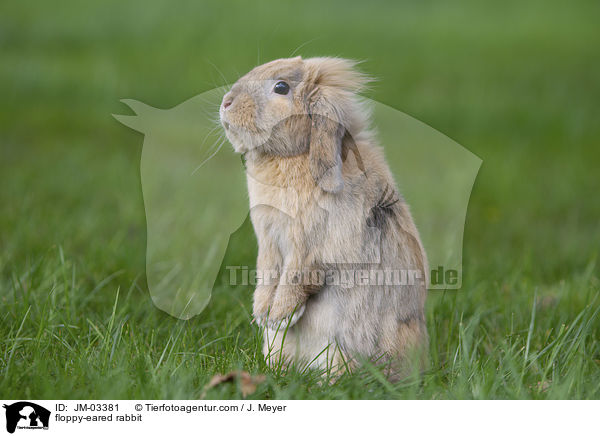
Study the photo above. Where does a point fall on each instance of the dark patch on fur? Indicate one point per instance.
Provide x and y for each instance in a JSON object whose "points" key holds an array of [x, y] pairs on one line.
{"points": [[400, 320], [383, 209]]}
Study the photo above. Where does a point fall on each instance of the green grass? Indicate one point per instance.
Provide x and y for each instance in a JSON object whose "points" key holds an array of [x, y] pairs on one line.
{"points": [[515, 83]]}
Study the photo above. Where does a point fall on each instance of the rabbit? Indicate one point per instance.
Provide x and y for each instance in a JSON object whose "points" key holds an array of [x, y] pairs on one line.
{"points": [[324, 202]]}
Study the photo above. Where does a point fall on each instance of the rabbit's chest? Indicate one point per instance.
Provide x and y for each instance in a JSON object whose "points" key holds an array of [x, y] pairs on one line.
{"points": [[283, 190], [286, 216]]}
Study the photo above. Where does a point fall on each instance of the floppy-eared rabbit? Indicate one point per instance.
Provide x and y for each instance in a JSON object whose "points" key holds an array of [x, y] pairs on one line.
{"points": [[342, 271]]}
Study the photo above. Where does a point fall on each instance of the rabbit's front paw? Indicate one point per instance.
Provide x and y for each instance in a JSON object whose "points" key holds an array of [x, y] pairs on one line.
{"points": [[263, 299], [286, 310]]}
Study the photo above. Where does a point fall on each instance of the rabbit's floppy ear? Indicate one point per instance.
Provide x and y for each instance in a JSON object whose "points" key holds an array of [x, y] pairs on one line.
{"points": [[325, 147], [333, 112]]}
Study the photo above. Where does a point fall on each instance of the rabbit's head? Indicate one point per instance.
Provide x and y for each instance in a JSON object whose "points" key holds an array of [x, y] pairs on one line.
{"points": [[289, 107]]}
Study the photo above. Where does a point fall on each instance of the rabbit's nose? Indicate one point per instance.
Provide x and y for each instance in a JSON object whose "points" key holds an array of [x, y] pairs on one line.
{"points": [[227, 102]]}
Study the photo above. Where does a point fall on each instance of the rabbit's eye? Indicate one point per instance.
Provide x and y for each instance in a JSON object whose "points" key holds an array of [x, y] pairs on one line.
{"points": [[281, 88]]}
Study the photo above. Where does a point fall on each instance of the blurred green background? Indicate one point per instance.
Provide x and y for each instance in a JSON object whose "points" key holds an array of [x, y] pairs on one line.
{"points": [[514, 82]]}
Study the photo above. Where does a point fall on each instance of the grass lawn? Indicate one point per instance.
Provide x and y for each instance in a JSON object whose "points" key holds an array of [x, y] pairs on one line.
{"points": [[514, 82]]}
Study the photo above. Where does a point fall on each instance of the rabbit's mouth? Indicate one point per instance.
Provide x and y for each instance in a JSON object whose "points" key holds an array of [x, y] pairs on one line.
{"points": [[243, 139], [235, 135]]}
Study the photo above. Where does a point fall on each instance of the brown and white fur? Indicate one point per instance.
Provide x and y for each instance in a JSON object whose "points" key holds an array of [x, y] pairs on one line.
{"points": [[323, 199]]}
